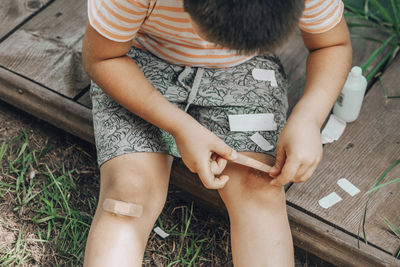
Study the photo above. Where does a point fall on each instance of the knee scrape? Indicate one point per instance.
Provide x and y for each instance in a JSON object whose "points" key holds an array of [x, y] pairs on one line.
{"points": [[122, 208]]}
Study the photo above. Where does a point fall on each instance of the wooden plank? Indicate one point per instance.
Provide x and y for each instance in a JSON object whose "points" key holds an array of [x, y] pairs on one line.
{"points": [[14, 12], [46, 104], [390, 82], [332, 244], [293, 55], [47, 48], [85, 100], [367, 147]]}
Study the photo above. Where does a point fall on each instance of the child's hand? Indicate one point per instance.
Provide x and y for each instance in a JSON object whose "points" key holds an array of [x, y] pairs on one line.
{"points": [[205, 154], [298, 152]]}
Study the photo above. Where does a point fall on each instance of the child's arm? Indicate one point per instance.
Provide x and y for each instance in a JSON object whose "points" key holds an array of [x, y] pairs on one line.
{"points": [[299, 147], [106, 63]]}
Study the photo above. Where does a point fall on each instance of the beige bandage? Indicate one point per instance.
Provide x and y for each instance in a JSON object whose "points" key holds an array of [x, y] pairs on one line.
{"points": [[122, 208], [250, 162]]}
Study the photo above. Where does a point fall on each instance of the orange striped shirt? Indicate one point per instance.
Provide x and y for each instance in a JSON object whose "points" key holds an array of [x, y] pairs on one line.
{"points": [[163, 28]]}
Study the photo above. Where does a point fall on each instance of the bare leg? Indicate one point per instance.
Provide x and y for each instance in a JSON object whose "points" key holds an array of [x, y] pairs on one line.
{"points": [[140, 178], [260, 232]]}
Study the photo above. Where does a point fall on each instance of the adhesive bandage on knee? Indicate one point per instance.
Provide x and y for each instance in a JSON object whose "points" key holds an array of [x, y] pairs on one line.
{"points": [[122, 208]]}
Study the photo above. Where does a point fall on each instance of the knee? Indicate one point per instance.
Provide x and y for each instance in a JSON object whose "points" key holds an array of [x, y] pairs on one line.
{"points": [[134, 187], [252, 187]]}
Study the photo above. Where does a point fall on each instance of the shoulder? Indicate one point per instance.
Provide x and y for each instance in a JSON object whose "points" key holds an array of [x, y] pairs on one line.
{"points": [[321, 15], [117, 20]]}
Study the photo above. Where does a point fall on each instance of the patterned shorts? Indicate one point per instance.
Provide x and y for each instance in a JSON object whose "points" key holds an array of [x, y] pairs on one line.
{"points": [[208, 95]]}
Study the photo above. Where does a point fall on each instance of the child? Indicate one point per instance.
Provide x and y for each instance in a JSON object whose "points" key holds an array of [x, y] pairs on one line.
{"points": [[170, 73]]}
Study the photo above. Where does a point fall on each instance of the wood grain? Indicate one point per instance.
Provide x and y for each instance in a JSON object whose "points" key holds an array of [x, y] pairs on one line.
{"points": [[14, 12], [85, 100], [391, 85], [333, 245], [47, 48], [46, 105], [367, 147]]}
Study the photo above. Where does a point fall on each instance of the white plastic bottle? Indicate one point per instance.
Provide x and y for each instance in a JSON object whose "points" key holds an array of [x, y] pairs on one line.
{"points": [[348, 104]]}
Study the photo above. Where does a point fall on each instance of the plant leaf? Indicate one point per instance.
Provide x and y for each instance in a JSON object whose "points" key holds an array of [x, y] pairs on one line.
{"points": [[394, 229], [383, 11]]}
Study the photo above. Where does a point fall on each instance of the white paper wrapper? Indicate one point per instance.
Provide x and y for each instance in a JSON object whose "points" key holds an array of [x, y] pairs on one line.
{"points": [[261, 142], [334, 128], [160, 232]]}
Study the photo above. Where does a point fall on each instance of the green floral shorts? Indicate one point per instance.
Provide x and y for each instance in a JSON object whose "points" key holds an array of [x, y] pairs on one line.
{"points": [[208, 95]]}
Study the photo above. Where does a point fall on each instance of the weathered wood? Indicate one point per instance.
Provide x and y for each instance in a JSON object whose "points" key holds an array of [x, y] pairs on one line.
{"points": [[332, 244], [14, 12], [85, 100], [367, 147], [390, 83], [293, 56], [46, 105], [47, 48]]}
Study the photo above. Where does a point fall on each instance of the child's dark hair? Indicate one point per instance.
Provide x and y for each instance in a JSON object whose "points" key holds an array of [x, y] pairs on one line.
{"points": [[247, 26]]}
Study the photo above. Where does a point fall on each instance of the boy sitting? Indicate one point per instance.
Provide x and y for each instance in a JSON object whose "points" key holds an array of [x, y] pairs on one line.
{"points": [[166, 75]]}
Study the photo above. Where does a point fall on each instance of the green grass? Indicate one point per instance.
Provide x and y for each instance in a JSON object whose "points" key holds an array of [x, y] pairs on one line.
{"points": [[191, 243], [42, 194], [45, 197], [383, 15]]}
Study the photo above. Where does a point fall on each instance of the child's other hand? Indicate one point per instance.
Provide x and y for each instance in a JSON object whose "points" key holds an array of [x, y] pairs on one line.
{"points": [[205, 154], [298, 152]]}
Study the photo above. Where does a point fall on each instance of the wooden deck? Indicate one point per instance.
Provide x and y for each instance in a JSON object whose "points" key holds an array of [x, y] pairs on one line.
{"points": [[41, 73]]}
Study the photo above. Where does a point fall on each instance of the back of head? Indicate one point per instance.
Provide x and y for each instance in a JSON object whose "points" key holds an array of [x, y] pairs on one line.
{"points": [[247, 26]]}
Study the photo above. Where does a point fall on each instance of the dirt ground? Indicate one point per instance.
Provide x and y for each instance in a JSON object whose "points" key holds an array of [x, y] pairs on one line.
{"points": [[76, 154]]}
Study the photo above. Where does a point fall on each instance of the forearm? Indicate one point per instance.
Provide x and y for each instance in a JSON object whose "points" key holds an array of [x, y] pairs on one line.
{"points": [[123, 81], [327, 70]]}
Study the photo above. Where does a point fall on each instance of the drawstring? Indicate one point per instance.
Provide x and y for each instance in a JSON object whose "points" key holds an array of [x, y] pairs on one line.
{"points": [[196, 84]]}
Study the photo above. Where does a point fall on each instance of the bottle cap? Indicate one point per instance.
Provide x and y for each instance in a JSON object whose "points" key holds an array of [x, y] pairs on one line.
{"points": [[356, 70]]}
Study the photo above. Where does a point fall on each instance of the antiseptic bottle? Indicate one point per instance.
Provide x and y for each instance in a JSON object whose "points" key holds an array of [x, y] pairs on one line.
{"points": [[348, 104]]}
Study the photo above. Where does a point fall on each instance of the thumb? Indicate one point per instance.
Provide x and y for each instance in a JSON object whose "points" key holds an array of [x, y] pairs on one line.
{"points": [[224, 150], [280, 160]]}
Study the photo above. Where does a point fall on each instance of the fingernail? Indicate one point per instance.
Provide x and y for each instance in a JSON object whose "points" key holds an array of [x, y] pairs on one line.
{"points": [[274, 169], [234, 155]]}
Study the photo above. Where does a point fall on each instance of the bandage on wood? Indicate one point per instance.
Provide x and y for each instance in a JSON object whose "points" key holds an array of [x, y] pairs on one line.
{"points": [[252, 163], [122, 208]]}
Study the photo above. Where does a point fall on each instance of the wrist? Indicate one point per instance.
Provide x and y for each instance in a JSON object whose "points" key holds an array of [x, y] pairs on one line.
{"points": [[181, 121], [311, 111]]}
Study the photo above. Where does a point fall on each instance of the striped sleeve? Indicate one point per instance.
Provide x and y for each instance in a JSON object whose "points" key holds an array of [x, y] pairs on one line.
{"points": [[320, 16], [117, 20]]}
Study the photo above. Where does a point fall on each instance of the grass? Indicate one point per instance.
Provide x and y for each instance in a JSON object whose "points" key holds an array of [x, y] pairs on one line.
{"points": [[45, 196], [42, 196], [384, 16]]}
